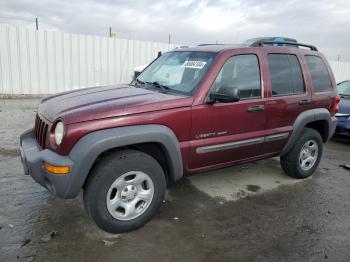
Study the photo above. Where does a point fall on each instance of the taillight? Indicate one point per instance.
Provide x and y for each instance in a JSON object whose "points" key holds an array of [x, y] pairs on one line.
{"points": [[335, 105]]}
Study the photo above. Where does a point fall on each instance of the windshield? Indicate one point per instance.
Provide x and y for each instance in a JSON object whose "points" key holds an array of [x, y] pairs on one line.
{"points": [[344, 88], [178, 72]]}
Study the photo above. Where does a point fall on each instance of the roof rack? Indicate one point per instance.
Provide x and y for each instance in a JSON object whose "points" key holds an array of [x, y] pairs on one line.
{"points": [[262, 43], [209, 44]]}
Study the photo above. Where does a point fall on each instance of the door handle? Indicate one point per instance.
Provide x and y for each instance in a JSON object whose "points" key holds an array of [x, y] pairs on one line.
{"points": [[304, 102], [256, 108]]}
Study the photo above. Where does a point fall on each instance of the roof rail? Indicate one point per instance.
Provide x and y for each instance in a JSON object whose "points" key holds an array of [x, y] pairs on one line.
{"points": [[262, 43], [209, 44]]}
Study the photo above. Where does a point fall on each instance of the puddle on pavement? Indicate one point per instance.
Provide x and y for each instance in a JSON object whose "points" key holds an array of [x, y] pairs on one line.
{"points": [[238, 182], [9, 151], [253, 188]]}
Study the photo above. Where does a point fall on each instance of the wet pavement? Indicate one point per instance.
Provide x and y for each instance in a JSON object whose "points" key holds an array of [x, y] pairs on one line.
{"points": [[251, 212]]}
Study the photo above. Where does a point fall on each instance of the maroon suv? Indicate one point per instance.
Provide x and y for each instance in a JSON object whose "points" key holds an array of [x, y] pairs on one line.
{"points": [[191, 110]]}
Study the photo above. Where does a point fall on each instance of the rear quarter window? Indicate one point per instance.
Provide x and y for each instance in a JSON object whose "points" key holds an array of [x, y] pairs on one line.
{"points": [[319, 74]]}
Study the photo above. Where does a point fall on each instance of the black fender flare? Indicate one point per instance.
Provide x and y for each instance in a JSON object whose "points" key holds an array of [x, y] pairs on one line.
{"points": [[307, 117], [89, 147]]}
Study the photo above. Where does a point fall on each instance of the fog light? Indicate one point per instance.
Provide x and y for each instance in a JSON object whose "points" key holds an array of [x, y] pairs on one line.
{"points": [[57, 170]]}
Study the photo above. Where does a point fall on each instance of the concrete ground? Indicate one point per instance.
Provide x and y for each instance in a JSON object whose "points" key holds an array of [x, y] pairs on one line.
{"points": [[251, 212]]}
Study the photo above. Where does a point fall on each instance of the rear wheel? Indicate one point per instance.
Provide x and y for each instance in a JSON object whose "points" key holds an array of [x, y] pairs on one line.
{"points": [[124, 191], [304, 157]]}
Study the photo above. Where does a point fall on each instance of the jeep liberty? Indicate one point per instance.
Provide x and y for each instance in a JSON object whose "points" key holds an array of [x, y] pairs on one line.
{"points": [[191, 110]]}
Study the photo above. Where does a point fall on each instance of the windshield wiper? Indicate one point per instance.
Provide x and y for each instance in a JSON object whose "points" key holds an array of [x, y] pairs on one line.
{"points": [[138, 82], [158, 85], [344, 95]]}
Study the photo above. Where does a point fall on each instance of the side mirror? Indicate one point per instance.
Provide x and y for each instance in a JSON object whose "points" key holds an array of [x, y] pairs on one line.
{"points": [[226, 94]]}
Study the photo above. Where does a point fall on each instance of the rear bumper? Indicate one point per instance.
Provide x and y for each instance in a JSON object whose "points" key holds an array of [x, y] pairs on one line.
{"points": [[32, 160], [332, 126]]}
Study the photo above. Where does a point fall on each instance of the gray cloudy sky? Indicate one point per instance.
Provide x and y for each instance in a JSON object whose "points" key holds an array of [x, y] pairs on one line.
{"points": [[325, 24]]}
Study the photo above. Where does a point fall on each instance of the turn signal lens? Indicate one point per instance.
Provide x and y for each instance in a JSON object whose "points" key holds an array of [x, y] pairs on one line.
{"points": [[57, 170]]}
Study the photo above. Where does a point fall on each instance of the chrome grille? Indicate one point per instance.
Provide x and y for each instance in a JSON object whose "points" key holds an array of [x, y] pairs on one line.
{"points": [[40, 130]]}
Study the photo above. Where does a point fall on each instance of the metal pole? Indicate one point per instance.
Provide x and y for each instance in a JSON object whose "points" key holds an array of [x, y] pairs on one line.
{"points": [[36, 23], [110, 31], [169, 39]]}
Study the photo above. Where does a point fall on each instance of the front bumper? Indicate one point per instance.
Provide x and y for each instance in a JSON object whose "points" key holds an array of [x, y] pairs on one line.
{"points": [[32, 160]]}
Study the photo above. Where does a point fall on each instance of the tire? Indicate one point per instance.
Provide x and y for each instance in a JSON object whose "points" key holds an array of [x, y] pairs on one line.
{"points": [[304, 157], [124, 191]]}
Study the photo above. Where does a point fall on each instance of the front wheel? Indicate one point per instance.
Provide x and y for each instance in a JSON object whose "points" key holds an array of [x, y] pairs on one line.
{"points": [[124, 190], [304, 157]]}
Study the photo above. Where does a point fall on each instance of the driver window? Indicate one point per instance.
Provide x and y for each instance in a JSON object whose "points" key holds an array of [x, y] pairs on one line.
{"points": [[241, 71]]}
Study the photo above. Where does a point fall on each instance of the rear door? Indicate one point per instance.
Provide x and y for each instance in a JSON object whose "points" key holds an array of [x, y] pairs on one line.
{"points": [[289, 95]]}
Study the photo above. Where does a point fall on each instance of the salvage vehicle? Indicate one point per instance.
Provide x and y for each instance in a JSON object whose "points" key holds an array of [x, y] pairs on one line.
{"points": [[343, 116], [190, 111]]}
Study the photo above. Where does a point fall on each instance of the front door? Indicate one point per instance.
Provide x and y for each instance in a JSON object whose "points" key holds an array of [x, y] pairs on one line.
{"points": [[224, 133]]}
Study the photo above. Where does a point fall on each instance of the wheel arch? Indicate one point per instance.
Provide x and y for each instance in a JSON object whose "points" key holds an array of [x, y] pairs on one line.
{"points": [[318, 119], [154, 149], [322, 127], [157, 140]]}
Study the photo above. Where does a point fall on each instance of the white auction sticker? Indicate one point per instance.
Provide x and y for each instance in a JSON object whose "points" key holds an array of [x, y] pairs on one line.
{"points": [[194, 64]]}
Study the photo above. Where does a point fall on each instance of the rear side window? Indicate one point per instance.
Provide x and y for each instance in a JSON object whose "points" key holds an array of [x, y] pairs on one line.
{"points": [[286, 75], [319, 74]]}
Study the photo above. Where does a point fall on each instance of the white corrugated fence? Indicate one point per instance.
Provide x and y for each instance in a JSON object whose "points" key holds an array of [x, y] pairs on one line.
{"points": [[46, 62], [341, 70]]}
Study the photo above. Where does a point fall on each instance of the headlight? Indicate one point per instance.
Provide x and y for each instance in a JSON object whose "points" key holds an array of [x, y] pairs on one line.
{"points": [[59, 132]]}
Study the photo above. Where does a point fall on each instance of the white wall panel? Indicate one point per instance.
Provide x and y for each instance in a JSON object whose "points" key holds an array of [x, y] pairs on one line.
{"points": [[341, 70], [46, 62]]}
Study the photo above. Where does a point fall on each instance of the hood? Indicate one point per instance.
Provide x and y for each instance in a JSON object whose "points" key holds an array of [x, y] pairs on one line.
{"points": [[107, 101]]}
